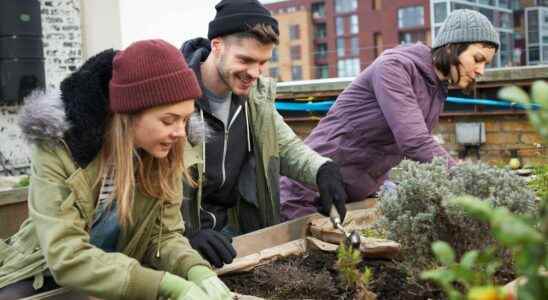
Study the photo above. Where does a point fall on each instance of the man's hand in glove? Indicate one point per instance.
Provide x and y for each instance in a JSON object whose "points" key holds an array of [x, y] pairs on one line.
{"points": [[331, 187], [213, 246]]}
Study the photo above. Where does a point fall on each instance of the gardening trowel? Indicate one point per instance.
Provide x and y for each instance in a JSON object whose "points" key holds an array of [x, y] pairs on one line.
{"points": [[352, 238]]}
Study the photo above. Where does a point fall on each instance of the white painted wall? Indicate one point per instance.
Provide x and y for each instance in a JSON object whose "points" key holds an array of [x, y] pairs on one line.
{"points": [[101, 26]]}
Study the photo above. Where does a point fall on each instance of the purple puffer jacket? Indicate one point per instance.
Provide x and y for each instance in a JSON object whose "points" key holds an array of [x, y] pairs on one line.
{"points": [[386, 114]]}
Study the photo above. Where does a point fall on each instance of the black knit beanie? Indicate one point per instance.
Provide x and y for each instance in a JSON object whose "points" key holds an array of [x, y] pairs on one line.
{"points": [[239, 16]]}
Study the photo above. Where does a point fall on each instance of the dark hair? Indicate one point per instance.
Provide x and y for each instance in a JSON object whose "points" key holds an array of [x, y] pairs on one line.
{"points": [[448, 55], [264, 33]]}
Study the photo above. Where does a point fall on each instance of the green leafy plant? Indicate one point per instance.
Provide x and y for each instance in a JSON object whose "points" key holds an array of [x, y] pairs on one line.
{"points": [[537, 103], [23, 182], [373, 232], [526, 236], [540, 183], [348, 259], [458, 278]]}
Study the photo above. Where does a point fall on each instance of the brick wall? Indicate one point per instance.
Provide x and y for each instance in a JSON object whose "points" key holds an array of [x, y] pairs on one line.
{"points": [[503, 133], [63, 54], [62, 38]]}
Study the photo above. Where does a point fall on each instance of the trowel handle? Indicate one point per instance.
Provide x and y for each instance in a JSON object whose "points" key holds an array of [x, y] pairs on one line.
{"points": [[335, 217]]}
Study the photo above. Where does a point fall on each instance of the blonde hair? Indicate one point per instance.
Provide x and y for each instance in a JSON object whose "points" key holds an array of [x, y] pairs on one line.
{"points": [[160, 179]]}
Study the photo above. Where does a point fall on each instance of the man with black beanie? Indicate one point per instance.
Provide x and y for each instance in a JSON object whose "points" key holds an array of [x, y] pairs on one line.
{"points": [[237, 163]]}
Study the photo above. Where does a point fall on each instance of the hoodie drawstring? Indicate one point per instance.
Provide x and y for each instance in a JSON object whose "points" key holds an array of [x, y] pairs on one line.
{"points": [[247, 127], [203, 140]]}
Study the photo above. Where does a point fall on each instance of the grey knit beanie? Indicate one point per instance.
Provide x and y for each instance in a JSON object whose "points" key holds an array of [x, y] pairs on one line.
{"points": [[465, 26]]}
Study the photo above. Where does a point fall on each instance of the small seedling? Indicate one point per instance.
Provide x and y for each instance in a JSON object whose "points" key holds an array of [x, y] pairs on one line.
{"points": [[348, 259]]}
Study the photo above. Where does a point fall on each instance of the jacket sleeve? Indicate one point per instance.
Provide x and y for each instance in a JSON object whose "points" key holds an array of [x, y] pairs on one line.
{"points": [[176, 255], [64, 241], [399, 105], [297, 160]]}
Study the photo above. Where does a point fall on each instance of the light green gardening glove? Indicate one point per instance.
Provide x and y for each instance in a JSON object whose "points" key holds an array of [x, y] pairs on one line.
{"points": [[176, 288], [208, 281]]}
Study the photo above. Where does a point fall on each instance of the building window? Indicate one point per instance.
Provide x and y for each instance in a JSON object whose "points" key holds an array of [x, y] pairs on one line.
{"points": [[322, 71], [274, 57], [411, 37], [339, 23], [489, 13], [348, 67], [295, 52], [409, 17], [346, 6], [505, 49], [505, 4], [455, 6], [320, 31], [340, 47], [487, 2], [296, 73], [532, 27], [274, 72], [294, 32], [321, 51], [377, 41], [534, 54], [505, 20], [355, 46], [440, 12], [354, 25], [376, 4], [318, 10]]}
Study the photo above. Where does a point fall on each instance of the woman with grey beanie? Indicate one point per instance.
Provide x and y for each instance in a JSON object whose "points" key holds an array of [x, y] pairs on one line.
{"points": [[389, 111]]}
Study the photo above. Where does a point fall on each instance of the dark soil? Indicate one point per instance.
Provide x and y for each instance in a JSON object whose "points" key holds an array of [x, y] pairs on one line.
{"points": [[314, 276]]}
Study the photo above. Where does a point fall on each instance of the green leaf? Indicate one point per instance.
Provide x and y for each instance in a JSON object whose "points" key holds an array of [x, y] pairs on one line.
{"points": [[442, 276], [511, 231], [514, 94], [477, 208], [469, 259], [444, 253], [539, 93]]}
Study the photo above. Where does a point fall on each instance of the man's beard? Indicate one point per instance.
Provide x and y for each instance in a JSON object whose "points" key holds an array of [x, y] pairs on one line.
{"points": [[224, 74]]}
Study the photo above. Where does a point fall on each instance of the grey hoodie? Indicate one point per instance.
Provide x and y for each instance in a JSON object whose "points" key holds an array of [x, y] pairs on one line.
{"points": [[386, 114]]}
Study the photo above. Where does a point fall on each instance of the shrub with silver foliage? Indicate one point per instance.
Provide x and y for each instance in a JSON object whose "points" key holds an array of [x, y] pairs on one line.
{"points": [[416, 213]]}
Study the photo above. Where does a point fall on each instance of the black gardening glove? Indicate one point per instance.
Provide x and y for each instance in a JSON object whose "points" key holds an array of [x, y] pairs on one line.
{"points": [[213, 246], [331, 187]]}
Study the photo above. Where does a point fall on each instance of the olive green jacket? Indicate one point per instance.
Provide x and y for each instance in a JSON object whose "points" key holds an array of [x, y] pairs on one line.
{"points": [[276, 151], [56, 236]]}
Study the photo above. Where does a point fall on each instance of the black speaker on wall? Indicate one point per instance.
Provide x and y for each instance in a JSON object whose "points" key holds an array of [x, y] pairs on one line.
{"points": [[21, 50]]}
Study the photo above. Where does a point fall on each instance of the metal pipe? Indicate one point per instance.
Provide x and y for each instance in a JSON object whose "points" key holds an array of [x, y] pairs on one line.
{"points": [[324, 106]]}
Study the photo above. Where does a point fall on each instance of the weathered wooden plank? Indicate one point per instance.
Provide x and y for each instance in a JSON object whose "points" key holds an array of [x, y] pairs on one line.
{"points": [[13, 211], [13, 196], [246, 244], [282, 233]]}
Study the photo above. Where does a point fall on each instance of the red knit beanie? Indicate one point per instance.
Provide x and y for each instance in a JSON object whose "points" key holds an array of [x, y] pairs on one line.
{"points": [[150, 73]]}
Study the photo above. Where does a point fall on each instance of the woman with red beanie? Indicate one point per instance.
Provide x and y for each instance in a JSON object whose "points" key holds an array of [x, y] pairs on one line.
{"points": [[105, 192]]}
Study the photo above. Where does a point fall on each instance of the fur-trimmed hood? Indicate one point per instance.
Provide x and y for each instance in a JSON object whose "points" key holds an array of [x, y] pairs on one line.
{"points": [[78, 111]]}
